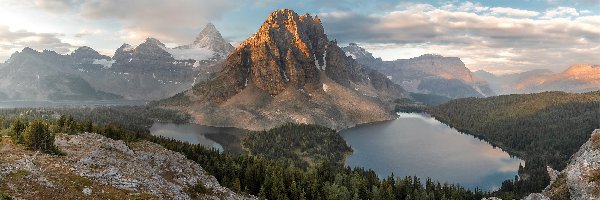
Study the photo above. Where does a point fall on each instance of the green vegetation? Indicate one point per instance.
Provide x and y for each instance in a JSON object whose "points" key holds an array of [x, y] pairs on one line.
{"points": [[34, 135], [4, 196], [430, 99], [197, 189], [37, 136], [133, 118], [20, 174], [559, 190], [596, 141], [453, 88], [408, 106], [302, 144], [176, 100], [543, 129], [283, 179]]}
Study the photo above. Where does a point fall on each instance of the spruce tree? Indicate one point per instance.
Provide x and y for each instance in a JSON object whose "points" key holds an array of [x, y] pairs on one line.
{"points": [[37, 136]]}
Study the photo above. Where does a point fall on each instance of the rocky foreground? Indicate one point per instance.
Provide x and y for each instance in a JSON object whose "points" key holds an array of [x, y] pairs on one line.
{"points": [[96, 167], [580, 179]]}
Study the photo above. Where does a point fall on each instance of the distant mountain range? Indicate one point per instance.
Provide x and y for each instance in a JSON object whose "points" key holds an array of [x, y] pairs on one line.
{"points": [[577, 78], [149, 71], [289, 71], [427, 74], [152, 71]]}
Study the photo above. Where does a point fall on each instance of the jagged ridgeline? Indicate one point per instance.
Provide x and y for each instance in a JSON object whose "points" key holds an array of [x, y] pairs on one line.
{"points": [[427, 74], [289, 71], [148, 71]]}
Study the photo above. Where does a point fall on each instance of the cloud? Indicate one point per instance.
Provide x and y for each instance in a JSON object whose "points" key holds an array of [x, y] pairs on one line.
{"points": [[55, 5], [87, 32], [11, 41], [560, 12], [484, 40], [592, 2], [171, 21], [513, 12]]}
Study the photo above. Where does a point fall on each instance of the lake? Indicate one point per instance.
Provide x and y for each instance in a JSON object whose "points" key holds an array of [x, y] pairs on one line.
{"points": [[413, 144], [419, 145], [207, 136], [52, 104]]}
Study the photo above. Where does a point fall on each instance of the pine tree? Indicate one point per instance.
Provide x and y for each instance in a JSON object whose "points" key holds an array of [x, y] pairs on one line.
{"points": [[17, 128], [37, 136]]}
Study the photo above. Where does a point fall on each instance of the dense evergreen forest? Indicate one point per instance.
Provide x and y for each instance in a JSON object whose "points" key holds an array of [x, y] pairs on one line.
{"points": [[256, 175], [302, 144], [135, 118], [544, 129]]}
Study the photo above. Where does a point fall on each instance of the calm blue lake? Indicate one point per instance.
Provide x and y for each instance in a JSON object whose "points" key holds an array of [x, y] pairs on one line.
{"points": [[417, 144], [412, 145]]}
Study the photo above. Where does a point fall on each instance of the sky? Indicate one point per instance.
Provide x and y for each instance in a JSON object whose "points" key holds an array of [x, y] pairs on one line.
{"points": [[500, 36]]}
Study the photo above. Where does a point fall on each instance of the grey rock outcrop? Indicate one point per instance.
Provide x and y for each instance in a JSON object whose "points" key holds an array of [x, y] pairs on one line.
{"points": [[580, 180], [107, 168]]}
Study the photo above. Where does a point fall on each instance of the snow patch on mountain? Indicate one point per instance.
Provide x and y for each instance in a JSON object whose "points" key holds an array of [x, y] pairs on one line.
{"points": [[127, 47], [104, 62], [192, 53], [351, 55]]}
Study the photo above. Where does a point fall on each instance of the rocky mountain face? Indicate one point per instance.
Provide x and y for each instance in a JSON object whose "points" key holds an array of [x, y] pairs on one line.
{"points": [[429, 74], [210, 39], [580, 179], [96, 167], [577, 78], [33, 75], [149, 71], [288, 71]]}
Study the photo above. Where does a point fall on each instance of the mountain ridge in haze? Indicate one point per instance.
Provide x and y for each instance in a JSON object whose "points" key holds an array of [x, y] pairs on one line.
{"points": [[149, 71], [577, 78], [428, 74]]}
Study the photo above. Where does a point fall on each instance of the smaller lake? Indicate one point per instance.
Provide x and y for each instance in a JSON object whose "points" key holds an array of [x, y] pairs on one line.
{"points": [[53, 104], [419, 145], [207, 136]]}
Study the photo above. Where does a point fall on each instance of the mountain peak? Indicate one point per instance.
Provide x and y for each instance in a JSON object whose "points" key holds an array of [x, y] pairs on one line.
{"points": [[282, 14], [586, 70], [284, 29], [153, 41], [288, 65], [85, 52], [28, 50], [209, 42], [126, 47], [209, 32]]}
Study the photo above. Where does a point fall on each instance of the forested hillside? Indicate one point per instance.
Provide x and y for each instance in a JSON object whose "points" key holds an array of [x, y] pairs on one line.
{"points": [[544, 129], [302, 144], [133, 118], [260, 176]]}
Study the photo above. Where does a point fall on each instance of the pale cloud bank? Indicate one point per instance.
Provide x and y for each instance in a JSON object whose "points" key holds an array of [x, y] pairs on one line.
{"points": [[497, 39]]}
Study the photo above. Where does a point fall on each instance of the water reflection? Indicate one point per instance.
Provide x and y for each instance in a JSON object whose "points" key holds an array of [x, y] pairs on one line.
{"points": [[192, 133], [416, 144]]}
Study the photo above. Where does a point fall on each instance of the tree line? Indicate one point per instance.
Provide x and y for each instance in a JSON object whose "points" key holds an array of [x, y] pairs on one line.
{"points": [[261, 175], [543, 129]]}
